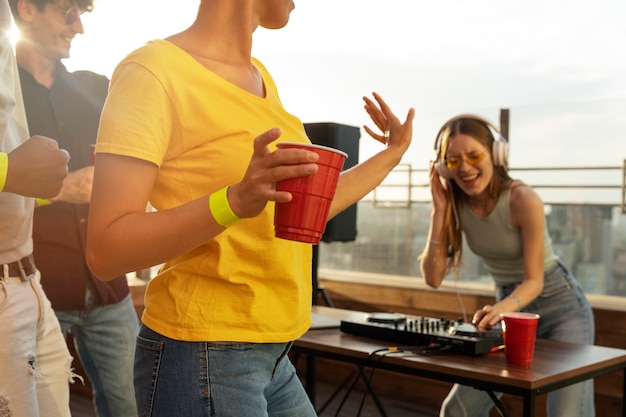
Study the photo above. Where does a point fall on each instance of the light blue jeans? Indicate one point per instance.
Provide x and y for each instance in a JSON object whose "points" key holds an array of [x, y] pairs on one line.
{"points": [[566, 316], [105, 342], [216, 379]]}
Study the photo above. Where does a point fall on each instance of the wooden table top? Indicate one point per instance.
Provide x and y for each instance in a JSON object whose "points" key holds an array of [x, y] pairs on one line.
{"points": [[554, 364]]}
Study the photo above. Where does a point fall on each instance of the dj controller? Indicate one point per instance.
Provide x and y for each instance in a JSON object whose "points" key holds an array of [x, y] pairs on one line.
{"points": [[426, 333]]}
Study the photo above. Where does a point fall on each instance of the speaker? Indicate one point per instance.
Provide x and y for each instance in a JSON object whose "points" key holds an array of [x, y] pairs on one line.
{"points": [[342, 227]]}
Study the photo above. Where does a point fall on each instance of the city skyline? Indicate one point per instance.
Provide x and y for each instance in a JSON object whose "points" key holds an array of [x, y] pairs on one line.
{"points": [[388, 241]]}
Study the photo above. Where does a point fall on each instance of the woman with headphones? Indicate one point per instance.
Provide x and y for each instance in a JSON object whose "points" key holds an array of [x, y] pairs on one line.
{"points": [[503, 222]]}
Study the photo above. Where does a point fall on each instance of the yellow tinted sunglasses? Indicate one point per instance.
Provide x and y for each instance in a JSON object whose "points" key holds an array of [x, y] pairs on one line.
{"points": [[471, 158]]}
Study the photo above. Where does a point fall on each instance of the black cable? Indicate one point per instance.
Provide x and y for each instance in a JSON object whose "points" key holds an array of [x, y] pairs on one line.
{"points": [[368, 382], [345, 397], [359, 373], [431, 348], [356, 379]]}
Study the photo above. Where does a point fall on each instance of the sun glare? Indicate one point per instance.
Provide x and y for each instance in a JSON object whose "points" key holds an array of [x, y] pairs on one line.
{"points": [[14, 34]]}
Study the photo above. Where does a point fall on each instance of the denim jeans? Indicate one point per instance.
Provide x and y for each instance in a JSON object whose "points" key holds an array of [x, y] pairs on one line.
{"points": [[105, 342], [565, 316], [34, 359], [216, 379]]}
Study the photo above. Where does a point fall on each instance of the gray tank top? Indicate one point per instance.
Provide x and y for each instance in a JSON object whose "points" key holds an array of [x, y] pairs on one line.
{"points": [[499, 243]]}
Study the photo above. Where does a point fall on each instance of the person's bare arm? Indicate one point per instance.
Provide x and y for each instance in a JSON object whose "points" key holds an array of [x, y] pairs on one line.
{"points": [[433, 261], [527, 214], [355, 183], [77, 187], [36, 168], [123, 237]]}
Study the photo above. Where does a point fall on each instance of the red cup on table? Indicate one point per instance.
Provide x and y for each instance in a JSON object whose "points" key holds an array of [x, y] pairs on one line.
{"points": [[520, 332], [303, 219]]}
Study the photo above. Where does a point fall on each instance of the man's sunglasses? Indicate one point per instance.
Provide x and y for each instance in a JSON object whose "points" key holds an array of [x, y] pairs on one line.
{"points": [[471, 158], [71, 13]]}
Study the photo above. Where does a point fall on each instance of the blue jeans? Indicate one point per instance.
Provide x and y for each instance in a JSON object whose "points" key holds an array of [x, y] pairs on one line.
{"points": [[105, 342], [216, 379], [565, 316]]}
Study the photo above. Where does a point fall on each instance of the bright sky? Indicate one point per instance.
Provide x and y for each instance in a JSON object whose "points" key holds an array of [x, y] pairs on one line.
{"points": [[559, 65]]}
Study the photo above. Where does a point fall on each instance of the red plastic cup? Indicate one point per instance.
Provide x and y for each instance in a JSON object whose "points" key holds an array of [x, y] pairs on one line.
{"points": [[304, 218], [519, 331], [92, 148]]}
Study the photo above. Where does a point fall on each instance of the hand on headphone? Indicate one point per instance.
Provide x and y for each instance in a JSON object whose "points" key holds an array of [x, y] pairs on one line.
{"points": [[438, 190]]}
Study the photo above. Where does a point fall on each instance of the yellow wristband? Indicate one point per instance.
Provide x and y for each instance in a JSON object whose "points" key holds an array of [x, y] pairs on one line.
{"points": [[42, 202], [220, 209], [4, 169]]}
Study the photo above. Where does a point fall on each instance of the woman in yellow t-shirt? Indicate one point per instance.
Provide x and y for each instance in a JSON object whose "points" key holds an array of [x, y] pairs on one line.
{"points": [[190, 126]]}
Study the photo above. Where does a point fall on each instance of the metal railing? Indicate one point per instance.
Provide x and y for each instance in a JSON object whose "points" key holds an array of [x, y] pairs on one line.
{"points": [[405, 184]]}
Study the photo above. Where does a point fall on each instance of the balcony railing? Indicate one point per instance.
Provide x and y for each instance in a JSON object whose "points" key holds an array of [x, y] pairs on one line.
{"points": [[584, 214], [407, 184]]}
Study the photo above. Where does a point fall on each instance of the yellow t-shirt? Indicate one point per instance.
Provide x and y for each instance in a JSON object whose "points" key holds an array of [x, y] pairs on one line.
{"points": [[245, 285]]}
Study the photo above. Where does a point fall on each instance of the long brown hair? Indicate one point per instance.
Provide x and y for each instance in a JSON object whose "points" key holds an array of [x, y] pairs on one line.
{"points": [[483, 131]]}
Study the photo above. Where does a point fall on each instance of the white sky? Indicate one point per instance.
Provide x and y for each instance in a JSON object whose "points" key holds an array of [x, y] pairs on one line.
{"points": [[559, 65]]}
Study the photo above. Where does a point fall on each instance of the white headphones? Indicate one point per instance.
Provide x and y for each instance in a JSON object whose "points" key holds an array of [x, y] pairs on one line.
{"points": [[499, 146]]}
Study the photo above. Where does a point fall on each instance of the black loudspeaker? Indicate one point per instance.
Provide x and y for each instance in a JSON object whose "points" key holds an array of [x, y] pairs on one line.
{"points": [[342, 227]]}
